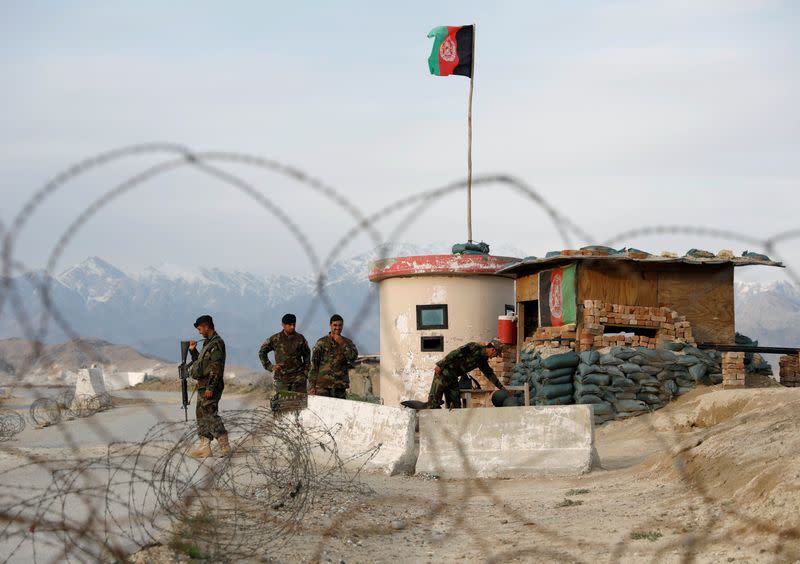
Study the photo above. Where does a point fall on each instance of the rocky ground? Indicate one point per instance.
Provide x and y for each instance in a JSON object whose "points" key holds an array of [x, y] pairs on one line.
{"points": [[714, 477]]}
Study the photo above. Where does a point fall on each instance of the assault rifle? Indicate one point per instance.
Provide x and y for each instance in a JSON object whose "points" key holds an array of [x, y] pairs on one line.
{"points": [[183, 374]]}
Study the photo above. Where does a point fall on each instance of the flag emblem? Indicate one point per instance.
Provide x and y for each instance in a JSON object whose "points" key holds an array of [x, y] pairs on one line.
{"points": [[556, 308], [448, 50]]}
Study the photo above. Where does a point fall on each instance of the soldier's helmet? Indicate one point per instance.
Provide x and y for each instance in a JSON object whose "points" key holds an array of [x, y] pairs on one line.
{"points": [[496, 345]]}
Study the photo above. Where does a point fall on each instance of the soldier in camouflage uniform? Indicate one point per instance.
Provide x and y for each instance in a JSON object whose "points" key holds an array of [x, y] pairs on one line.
{"points": [[330, 362], [458, 363], [208, 368], [292, 357]]}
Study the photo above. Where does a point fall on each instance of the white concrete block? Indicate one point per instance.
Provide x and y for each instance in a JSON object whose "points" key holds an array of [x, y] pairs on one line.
{"points": [[90, 382], [121, 380], [506, 442], [359, 427]]}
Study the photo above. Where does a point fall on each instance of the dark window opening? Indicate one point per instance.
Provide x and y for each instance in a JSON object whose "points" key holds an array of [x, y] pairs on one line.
{"points": [[627, 329], [530, 320], [432, 316], [510, 309], [431, 344]]}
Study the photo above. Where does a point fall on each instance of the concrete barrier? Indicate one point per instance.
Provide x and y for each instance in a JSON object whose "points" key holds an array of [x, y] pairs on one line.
{"points": [[507, 442], [90, 382], [358, 427], [122, 380]]}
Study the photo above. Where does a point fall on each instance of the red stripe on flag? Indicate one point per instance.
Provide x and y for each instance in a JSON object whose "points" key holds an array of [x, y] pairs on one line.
{"points": [[556, 297], [448, 52]]}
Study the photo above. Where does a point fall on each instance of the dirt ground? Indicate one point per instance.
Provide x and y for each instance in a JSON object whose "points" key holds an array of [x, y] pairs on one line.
{"points": [[714, 477]]}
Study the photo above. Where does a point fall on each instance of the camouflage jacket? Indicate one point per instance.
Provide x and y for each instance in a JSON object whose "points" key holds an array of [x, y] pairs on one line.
{"points": [[467, 358], [330, 363], [291, 352], [208, 366]]}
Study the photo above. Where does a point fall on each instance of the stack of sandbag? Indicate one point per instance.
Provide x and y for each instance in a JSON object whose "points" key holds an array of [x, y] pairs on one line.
{"points": [[550, 377], [553, 382], [622, 382], [754, 363]]}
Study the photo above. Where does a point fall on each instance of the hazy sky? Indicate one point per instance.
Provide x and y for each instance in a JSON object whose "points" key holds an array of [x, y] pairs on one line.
{"points": [[622, 114]]}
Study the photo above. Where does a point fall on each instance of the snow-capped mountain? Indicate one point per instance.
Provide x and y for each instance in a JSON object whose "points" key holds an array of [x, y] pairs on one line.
{"points": [[769, 312], [154, 309]]}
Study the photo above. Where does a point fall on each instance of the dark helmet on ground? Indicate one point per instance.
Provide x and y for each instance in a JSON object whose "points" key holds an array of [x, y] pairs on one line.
{"points": [[499, 397], [497, 345]]}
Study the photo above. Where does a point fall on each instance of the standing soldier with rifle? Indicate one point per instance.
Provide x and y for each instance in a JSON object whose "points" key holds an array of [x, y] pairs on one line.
{"points": [[330, 362], [208, 368], [292, 357]]}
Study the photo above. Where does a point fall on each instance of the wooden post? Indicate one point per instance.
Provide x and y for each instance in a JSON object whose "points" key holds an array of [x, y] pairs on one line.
{"points": [[469, 138]]}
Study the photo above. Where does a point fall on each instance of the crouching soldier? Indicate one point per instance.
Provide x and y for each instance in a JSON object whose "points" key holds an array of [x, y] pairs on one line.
{"points": [[458, 363], [208, 368], [331, 361]]}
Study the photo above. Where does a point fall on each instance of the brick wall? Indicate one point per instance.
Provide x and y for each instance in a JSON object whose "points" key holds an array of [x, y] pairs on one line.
{"points": [[790, 370], [667, 324], [733, 373]]}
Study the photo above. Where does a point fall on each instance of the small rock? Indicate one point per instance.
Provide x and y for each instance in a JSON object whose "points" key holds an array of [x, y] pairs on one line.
{"points": [[398, 524]]}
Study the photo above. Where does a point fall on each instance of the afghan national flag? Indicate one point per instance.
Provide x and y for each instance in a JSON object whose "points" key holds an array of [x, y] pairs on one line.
{"points": [[452, 50], [557, 296]]}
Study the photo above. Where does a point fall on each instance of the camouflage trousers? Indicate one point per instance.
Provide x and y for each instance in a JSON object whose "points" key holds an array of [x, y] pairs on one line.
{"points": [[298, 385], [445, 385], [340, 393], [209, 423]]}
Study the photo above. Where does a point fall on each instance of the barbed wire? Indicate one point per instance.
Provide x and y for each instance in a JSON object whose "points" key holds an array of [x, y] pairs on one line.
{"points": [[89, 504]]}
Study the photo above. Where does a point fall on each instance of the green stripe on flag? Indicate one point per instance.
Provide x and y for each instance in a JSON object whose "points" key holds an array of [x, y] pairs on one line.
{"points": [[568, 302], [439, 34]]}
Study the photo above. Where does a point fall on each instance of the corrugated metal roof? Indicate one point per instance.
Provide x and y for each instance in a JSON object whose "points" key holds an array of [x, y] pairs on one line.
{"points": [[534, 263]]}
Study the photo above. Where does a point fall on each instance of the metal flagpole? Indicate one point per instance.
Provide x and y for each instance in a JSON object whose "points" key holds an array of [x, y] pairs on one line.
{"points": [[469, 138]]}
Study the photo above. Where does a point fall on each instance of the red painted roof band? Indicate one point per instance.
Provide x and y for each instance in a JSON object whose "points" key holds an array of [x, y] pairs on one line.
{"points": [[438, 264]]}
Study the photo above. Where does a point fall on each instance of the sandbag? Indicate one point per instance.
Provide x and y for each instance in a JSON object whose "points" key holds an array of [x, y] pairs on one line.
{"points": [[555, 373], [587, 399], [664, 375], [629, 367], [687, 360], [567, 359], [602, 408], [630, 405], [623, 383], [682, 383], [613, 371], [589, 368], [673, 345], [638, 376], [608, 358], [561, 400], [582, 389], [671, 386], [698, 371], [682, 390], [554, 390], [566, 378], [648, 398], [650, 369], [596, 379], [590, 357], [623, 353]]}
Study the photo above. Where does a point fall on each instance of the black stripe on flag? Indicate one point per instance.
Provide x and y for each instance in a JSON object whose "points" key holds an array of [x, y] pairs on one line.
{"points": [[545, 320], [464, 42]]}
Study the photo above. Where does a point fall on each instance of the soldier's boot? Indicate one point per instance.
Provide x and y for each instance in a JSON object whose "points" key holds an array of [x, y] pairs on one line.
{"points": [[224, 445], [203, 450]]}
